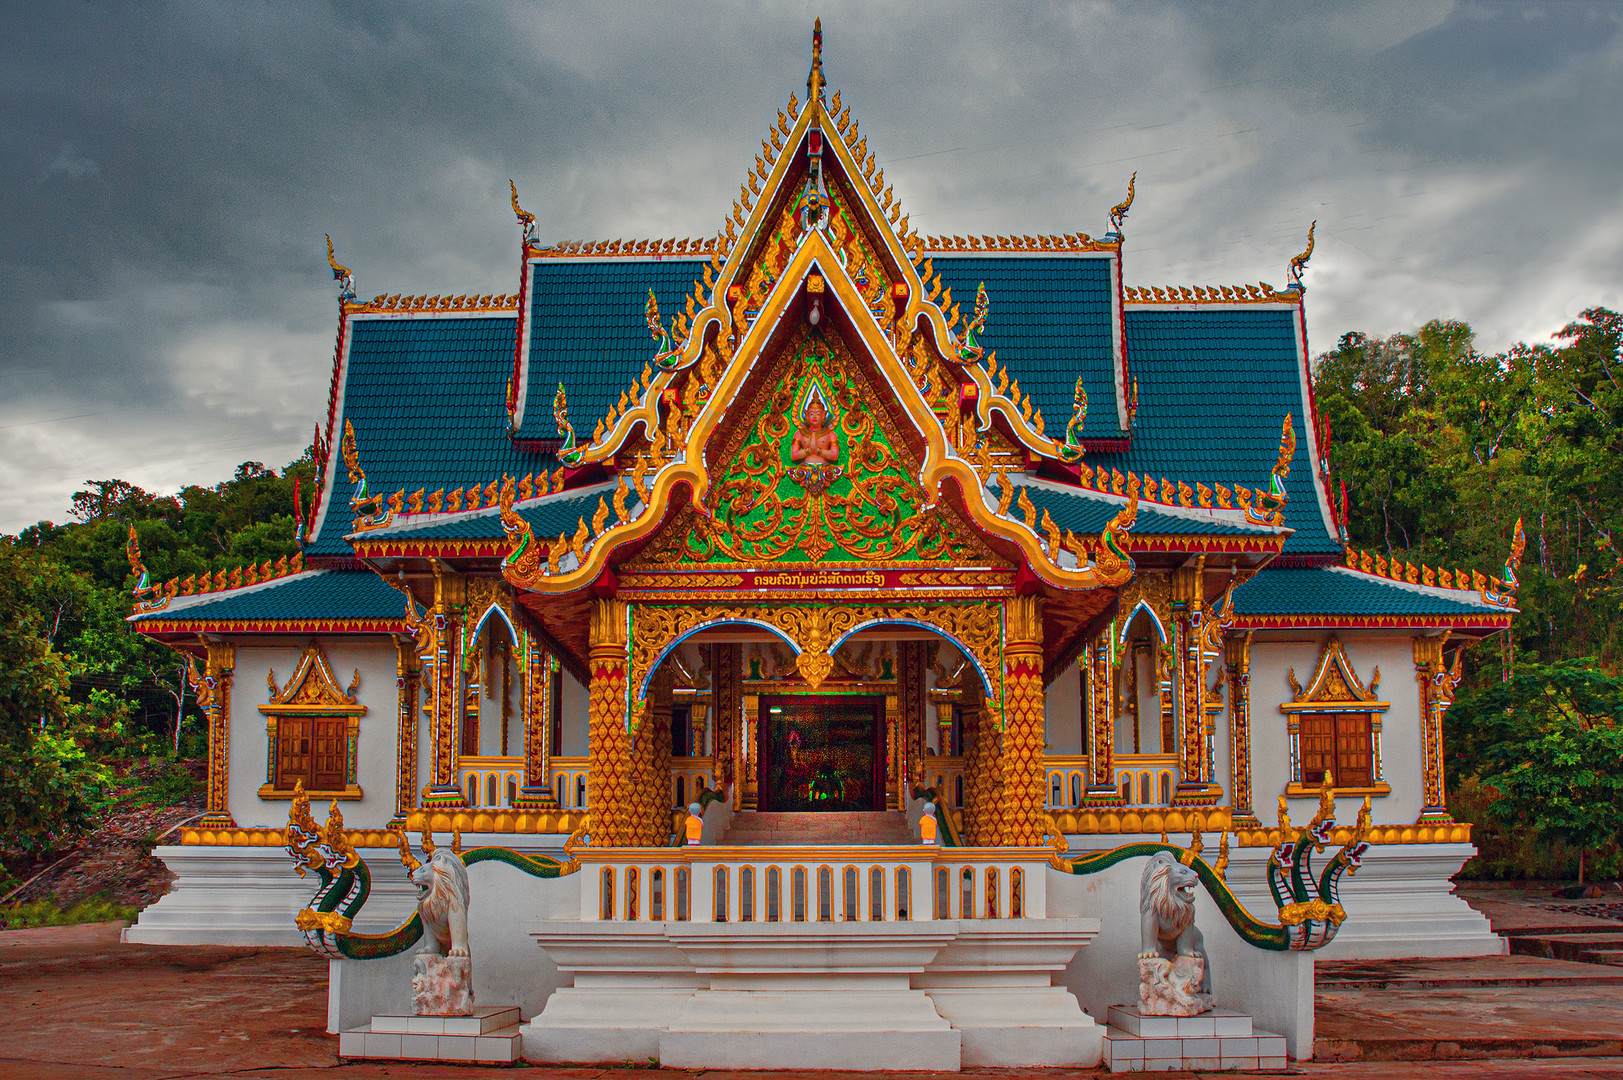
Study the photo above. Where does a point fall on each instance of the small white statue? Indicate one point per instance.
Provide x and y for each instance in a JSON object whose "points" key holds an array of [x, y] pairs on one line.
{"points": [[442, 972], [1174, 973], [694, 826], [442, 901]]}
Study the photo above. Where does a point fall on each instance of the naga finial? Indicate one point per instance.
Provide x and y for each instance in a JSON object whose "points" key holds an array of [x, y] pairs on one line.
{"points": [[1299, 263], [525, 218], [1518, 544], [1118, 213], [341, 274], [1071, 449]]}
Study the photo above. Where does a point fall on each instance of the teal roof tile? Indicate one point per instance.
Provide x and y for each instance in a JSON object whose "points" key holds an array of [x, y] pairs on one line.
{"points": [[1214, 386], [313, 594], [428, 399], [1337, 590], [1049, 320], [587, 331]]}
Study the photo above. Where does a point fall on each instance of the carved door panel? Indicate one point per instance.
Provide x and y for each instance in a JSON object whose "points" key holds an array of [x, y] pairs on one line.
{"points": [[331, 758]]}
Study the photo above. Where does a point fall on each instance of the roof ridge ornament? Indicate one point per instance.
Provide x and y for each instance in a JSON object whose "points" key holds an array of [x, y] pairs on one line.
{"points": [[1118, 213], [1299, 263], [525, 218], [340, 274], [814, 79]]}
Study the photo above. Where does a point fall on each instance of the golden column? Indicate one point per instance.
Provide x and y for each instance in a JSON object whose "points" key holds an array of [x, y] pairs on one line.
{"points": [[983, 777], [609, 764], [1437, 683], [1023, 815], [1196, 785], [1237, 649], [1102, 719], [650, 769], [407, 672], [443, 661], [536, 694], [213, 690], [727, 690]]}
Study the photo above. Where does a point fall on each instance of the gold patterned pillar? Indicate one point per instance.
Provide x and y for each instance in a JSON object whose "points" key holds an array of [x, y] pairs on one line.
{"points": [[912, 656], [214, 695], [1237, 650], [1102, 720], [609, 761], [1023, 813], [1195, 786], [407, 672], [443, 671], [1437, 683], [650, 792], [727, 687], [983, 777]]}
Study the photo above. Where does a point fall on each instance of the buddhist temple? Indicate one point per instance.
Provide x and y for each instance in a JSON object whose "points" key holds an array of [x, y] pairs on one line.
{"points": [[811, 522]]}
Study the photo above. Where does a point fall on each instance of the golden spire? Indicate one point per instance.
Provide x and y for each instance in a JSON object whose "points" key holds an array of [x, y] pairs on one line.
{"points": [[814, 80]]}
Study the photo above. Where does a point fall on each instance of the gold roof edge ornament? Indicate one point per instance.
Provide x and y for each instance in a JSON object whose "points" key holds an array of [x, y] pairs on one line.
{"points": [[341, 274], [1260, 293], [1294, 274], [156, 597], [814, 78], [369, 509]]}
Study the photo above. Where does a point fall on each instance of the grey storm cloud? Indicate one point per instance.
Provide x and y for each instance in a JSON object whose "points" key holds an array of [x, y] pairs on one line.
{"points": [[169, 171]]}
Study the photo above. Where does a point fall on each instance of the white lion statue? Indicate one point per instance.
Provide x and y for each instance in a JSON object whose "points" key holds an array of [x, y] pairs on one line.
{"points": [[1172, 955], [442, 901]]}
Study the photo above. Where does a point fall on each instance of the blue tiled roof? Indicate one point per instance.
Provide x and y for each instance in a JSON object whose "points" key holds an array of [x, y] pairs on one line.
{"points": [[588, 332], [1049, 321], [548, 517], [1086, 513], [1342, 591], [314, 594], [1213, 388], [428, 398]]}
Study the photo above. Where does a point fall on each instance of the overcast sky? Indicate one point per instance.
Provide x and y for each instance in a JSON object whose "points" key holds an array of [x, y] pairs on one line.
{"points": [[169, 170]]}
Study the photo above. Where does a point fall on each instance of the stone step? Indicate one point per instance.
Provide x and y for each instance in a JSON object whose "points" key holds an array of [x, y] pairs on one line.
{"points": [[851, 828], [1460, 973], [503, 1045], [1532, 1045], [1585, 948]]}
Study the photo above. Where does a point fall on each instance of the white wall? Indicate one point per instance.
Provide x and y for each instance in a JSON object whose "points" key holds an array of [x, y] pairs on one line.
{"points": [[1271, 660], [1064, 712], [576, 716], [375, 747]]}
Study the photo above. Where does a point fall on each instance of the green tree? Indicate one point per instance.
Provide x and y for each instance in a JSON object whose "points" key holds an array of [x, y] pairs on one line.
{"points": [[1549, 743]]}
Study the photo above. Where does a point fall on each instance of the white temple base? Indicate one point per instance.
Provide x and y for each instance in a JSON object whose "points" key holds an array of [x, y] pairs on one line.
{"points": [[926, 995]]}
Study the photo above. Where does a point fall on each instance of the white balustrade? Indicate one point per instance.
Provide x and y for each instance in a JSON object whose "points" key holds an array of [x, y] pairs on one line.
{"points": [[492, 783], [762, 884]]}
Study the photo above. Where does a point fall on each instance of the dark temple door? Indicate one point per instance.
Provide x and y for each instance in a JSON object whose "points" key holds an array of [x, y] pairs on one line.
{"points": [[821, 753]]}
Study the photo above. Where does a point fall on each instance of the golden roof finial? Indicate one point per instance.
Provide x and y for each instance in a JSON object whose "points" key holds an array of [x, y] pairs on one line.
{"points": [[525, 218], [340, 274], [1300, 262], [814, 80], [1118, 213]]}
